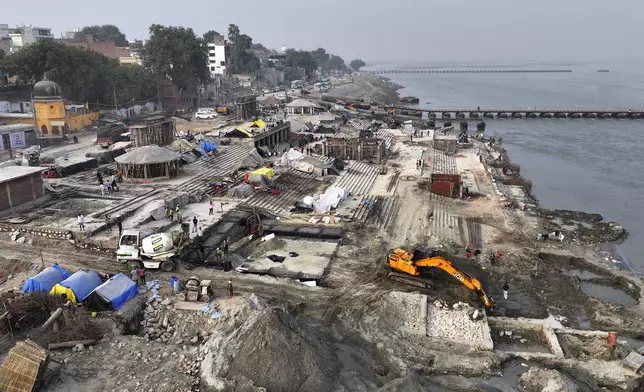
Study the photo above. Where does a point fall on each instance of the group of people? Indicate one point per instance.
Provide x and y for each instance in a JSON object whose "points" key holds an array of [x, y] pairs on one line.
{"points": [[138, 275], [222, 250], [111, 183], [172, 213]]}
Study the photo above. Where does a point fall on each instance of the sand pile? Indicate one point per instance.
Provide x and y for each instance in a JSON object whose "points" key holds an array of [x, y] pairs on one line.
{"points": [[271, 350]]}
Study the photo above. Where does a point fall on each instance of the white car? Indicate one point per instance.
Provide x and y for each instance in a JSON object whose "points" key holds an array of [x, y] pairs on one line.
{"points": [[205, 115]]}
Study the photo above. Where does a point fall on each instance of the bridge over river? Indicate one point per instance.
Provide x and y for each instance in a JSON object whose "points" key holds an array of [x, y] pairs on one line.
{"points": [[462, 71], [478, 112]]}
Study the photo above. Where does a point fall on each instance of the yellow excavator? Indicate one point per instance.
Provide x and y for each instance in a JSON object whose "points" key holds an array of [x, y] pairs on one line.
{"points": [[414, 268]]}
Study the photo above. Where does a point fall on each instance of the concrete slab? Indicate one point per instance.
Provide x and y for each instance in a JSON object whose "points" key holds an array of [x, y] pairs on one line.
{"points": [[313, 258], [408, 310]]}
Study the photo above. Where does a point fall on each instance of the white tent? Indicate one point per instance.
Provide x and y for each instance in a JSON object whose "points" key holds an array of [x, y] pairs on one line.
{"points": [[290, 156]]}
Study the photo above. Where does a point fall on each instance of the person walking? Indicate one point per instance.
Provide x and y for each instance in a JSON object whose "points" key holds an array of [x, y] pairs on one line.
{"points": [[195, 226], [107, 223], [81, 222], [506, 287], [211, 208], [120, 226], [218, 253], [142, 275], [226, 246], [171, 214], [102, 188], [115, 186], [134, 275], [108, 184], [230, 288]]}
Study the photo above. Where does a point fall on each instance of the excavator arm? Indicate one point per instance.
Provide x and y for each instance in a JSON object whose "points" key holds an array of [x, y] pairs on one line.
{"points": [[410, 271]]}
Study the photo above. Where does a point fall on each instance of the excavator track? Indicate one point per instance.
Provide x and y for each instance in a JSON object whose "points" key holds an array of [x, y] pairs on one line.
{"points": [[410, 280]]}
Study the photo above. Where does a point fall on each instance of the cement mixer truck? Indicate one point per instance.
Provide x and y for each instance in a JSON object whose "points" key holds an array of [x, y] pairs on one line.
{"points": [[153, 251]]}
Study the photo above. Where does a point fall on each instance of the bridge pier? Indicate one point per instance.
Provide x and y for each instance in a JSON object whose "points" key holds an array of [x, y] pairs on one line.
{"points": [[474, 115], [635, 116], [531, 115], [502, 115], [460, 115], [604, 115], [517, 115], [431, 116], [560, 115], [488, 115], [589, 115], [620, 115], [574, 115], [446, 115], [545, 115]]}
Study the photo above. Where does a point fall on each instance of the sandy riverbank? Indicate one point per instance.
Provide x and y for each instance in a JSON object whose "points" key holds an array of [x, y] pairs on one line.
{"points": [[371, 88]]}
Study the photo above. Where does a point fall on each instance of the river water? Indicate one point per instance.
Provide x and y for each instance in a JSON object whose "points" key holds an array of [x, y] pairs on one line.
{"points": [[589, 165]]}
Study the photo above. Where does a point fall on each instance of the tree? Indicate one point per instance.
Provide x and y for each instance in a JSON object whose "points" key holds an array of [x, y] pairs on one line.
{"points": [[177, 53], [103, 33], [335, 63], [209, 36], [241, 60], [320, 55], [300, 59], [357, 64], [84, 75]]}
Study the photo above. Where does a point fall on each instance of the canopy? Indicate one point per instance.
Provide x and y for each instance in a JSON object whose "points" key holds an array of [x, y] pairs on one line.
{"points": [[112, 294], [258, 124], [290, 156], [78, 286], [239, 132], [301, 103], [252, 160], [45, 280], [265, 171]]}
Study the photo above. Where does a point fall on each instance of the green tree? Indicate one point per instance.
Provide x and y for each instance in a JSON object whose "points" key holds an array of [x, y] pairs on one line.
{"points": [[209, 36], [103, 33], [357, 64], [241, 60], [334, 63], [84, 75], [177, 53], [300, 59], [320, 55]]}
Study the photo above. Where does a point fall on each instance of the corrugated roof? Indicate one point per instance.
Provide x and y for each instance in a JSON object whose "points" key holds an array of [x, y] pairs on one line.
{"points": [[148, 154]]}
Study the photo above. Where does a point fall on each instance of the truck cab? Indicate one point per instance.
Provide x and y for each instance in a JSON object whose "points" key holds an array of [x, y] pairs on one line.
{"points": [[129, 247]]}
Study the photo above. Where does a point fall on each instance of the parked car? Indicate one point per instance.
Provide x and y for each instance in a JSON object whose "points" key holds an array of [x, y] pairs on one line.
{"points": [[205, 115]]}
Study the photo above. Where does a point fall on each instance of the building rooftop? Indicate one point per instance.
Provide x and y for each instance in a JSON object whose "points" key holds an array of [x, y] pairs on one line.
{"points": [[148, 155], [16, 127], [10, 173], [17, 115]]}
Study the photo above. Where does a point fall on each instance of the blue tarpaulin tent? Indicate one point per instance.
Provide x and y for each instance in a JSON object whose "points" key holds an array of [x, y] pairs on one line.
{"points": [[46, 279], [208, 146], [112, 294], [78, 286], [201, 152]]}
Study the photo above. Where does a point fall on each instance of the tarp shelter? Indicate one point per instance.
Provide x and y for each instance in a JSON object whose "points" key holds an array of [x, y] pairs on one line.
{"points": [[78, 286], [265, 171], [257, 124], [112, 294], [331, 198], [208, 146], [149, 162], [252, 160], [241, 191], [239, 132], [290, 156], [45, 280]]}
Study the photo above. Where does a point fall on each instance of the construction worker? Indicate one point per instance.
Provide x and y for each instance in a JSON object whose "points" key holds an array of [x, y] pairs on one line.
{"points": [[230, 288], [506, 287]]}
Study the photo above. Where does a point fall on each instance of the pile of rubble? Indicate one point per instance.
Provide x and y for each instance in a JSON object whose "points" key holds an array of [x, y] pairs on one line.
{"points": [[162, 323], [17, 235], [460, 322]]}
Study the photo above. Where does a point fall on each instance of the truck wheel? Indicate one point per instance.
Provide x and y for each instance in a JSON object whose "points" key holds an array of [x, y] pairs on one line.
{"points": [[168, 266]]}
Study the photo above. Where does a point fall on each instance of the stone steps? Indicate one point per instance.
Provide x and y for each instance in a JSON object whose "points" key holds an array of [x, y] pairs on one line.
{"points": [[443, 163], [377, 210], [358, 177], [290, 193]]}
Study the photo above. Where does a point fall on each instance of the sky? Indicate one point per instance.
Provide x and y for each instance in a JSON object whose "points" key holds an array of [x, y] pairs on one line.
{"points": [[486, 31]]}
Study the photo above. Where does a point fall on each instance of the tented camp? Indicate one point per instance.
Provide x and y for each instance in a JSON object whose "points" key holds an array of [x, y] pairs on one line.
{"points": [[252, 161], [112, 294], [78, 286], [45, 280], [239, 132], [265, 171]]}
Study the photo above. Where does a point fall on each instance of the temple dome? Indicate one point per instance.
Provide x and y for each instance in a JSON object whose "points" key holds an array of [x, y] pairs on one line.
{"points": [[47, 89]]}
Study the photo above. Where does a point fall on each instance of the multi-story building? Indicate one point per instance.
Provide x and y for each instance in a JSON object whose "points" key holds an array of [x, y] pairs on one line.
{"points": [[218, 52], [5, 39], [25, 35]]}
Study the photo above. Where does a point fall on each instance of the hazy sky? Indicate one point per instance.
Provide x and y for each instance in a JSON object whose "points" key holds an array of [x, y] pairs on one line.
{"points": [[382, 30]]}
